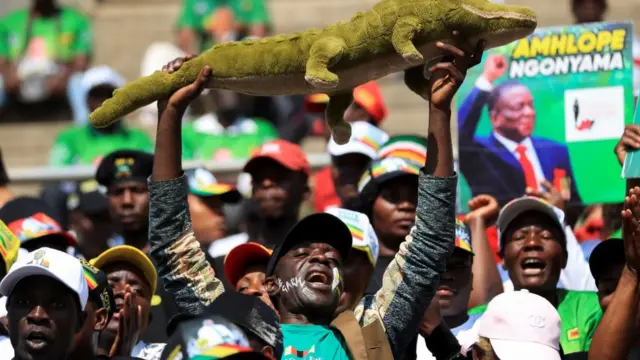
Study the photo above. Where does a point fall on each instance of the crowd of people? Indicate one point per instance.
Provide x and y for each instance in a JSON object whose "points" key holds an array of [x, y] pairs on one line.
{"points": [[152, 260]]}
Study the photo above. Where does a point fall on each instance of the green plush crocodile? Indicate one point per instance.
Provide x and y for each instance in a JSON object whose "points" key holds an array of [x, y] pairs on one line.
{"points": [[395, 35]]}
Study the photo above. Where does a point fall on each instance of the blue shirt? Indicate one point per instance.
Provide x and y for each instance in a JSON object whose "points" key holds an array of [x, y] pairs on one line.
{"points": [[313, 342]]}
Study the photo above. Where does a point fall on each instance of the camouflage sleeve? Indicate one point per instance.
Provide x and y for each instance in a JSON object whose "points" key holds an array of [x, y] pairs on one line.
{"points": [[410, 280], [181, 261]]}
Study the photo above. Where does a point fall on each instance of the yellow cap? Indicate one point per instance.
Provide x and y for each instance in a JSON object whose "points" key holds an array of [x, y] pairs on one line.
{"points": [[9, 245], [131, 255]]}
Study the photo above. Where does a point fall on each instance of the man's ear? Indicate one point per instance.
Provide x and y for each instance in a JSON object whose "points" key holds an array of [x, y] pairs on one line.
{"points": [[270, 284], [268, 352], [565, 258], [101, 320]]}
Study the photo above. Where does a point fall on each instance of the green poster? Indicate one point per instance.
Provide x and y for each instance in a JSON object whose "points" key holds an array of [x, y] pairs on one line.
{"points": [[632, 160], [548, 107]]}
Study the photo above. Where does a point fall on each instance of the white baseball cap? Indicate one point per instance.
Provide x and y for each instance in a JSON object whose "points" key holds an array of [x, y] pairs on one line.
{"points": [[522, 326], [52, 263], [523, 204], [364, 237], [102, 75], [365, 139]]}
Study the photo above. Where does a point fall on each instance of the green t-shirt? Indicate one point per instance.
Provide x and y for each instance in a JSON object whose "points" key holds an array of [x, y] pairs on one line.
{"points": [[313, 342], [197, 15], [59, 38], [83, 145], [580, 315], [238, 141]]}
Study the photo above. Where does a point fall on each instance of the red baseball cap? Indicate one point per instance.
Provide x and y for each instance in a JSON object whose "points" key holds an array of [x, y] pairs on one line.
{"points": [[243, 256], [368, 96], [284, 152]]}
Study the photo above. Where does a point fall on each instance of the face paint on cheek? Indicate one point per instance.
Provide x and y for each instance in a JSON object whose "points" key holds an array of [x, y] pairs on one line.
{"points": [[336, 279], [290, 284]]}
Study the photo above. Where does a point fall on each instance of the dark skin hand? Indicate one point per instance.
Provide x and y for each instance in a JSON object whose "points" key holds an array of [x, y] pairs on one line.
{"points": [[629, 141], [443, 83], [129, 326], [133, 304], [167, 162], [557, 198], [487, 282], [616, 332]]}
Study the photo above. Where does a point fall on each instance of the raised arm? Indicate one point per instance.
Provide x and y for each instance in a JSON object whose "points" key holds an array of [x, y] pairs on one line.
{"points": [[181, 262], [616, 332], [409, 283]]}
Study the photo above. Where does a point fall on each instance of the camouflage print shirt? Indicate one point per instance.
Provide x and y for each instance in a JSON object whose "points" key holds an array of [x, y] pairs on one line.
{"points": [[409, 282]]}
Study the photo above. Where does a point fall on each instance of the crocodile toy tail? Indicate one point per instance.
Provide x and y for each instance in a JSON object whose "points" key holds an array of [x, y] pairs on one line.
{"points": [[145, 90]]}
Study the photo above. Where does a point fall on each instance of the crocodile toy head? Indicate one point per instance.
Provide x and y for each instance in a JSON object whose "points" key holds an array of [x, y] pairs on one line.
{"points": [[498, 24]]}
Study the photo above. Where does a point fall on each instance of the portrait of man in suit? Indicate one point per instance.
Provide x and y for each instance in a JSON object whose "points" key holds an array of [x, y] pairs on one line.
{"points": [[511, 158]]}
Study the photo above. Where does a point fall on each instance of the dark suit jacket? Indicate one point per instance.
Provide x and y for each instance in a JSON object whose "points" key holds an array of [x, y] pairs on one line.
{"points": [[490, 168]]}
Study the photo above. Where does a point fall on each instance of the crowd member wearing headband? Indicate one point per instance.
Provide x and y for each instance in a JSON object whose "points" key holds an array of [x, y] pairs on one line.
{"points": [[47, 295], [304, 275], [133, 278], [101, 305], [33, 222], [359, 265], [245, 267], [348, 162], [5, 194]]}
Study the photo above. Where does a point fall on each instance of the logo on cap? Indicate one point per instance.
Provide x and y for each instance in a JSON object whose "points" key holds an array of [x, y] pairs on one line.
{"points": [[216, 339], [270, 148], [34, 226], [123, 167], [38, 259]]}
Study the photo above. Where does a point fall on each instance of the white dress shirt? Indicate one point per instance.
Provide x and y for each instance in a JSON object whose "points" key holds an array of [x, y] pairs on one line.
{"points": [[530, 152]]}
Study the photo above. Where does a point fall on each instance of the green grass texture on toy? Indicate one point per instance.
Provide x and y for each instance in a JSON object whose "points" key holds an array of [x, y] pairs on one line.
{"points": [[395, 35]]}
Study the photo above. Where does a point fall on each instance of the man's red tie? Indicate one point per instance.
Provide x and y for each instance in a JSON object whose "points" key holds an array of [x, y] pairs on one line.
{"points": [[529, 174]]}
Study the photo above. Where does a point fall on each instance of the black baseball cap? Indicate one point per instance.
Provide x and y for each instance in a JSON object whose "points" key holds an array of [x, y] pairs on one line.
{"points": [[211, 337], [124, 165], [32, 219], [100, 292], [606, 255], [248, 312], [88, 197], [315, 228]]}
